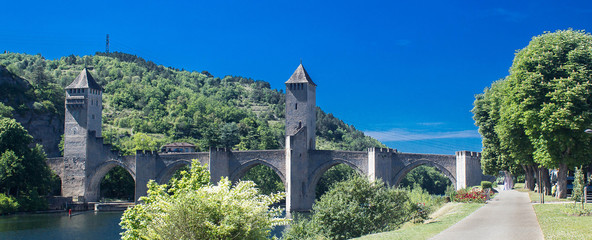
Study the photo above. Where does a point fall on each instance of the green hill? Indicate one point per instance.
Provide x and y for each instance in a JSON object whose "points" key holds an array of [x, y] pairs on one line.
{"points": [[168, 104]]}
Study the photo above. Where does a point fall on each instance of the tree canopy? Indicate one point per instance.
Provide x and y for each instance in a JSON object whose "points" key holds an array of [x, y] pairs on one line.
{"points": [[537, 115]]}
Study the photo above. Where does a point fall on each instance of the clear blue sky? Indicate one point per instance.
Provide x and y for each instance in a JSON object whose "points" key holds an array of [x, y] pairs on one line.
{"points": [[405, 72]]}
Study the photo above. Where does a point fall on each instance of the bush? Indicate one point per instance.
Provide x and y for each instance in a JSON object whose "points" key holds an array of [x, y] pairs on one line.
{"points": [[470, 195], [486, 185], [7, 204], [192, 208], [354, 208]]}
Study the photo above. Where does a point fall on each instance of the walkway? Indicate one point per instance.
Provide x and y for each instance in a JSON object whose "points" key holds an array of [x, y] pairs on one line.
{"points": [[508, 216]]}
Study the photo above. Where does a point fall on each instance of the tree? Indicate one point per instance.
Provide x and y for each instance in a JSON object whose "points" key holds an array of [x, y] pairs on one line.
{"points": [[265, 178], [23, 172], [552, 81], [539, 112], [143, 142], [427, 178], [192, 208]]}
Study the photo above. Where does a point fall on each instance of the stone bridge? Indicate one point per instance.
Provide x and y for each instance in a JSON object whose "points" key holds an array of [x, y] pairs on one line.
{"points": [[300, 166]]}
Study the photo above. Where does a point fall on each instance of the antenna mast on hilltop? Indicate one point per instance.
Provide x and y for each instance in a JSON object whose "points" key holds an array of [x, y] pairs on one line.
{"points": [[107, 45]]}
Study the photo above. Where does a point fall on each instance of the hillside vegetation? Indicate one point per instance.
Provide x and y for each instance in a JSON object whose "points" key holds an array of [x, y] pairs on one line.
{"points": [[171, 104]]}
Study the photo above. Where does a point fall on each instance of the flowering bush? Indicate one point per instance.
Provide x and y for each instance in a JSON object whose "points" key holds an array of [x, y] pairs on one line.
{"points": [[473, 195]]}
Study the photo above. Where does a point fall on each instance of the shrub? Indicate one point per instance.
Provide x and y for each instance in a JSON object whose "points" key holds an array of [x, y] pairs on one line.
{"points": [[7, 204], [192, 208], [472, 195], [354, 208], [486, 185]]}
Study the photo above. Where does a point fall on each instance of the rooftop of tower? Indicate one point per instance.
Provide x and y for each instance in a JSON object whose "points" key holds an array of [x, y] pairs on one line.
{"points": [[84, 80], [300, 76]]}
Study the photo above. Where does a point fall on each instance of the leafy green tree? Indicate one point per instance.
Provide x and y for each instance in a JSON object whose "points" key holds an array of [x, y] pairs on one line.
{"points": [[354, 208], [551, 84], [338, 173], [23, 172], [192, 208], [143, 142], [427, 178], [577, 193], [5, 111], [265, 178]]}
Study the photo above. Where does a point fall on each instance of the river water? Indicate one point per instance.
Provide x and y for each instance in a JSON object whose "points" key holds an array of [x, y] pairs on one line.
{"points": [[84, 225]]}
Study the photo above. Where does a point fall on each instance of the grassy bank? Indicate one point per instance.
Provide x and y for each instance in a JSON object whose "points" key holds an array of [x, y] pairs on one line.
{"points": [[440, 220], [535, 197], [557, 225], [554, 223]]}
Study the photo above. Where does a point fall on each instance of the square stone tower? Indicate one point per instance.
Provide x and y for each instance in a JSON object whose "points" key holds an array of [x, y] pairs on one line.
{"points": [[83, 118], [301, 106], [300, 138]]}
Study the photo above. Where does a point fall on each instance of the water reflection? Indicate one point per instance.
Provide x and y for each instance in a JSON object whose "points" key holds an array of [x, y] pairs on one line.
{"points": [[86, 225]]}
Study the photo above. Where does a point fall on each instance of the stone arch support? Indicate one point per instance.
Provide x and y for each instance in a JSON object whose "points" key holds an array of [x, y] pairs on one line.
{"points": [[166, 174], [241, 170], [93, 188], [317, 173], [401, 174]]}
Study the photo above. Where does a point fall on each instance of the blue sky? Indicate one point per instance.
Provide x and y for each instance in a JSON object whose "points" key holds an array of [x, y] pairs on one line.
{"points": [[405, 72]]}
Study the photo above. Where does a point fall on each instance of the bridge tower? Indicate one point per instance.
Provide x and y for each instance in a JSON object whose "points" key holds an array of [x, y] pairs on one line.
{"points": [[83, 117], [300, 138], [301, 106]]}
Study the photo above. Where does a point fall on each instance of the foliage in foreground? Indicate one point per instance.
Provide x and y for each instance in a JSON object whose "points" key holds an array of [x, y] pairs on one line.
{"points": [[192, 208], [354, 208]]}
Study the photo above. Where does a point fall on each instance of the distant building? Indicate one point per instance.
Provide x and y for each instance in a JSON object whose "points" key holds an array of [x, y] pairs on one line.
{"points": [[178, 148]]}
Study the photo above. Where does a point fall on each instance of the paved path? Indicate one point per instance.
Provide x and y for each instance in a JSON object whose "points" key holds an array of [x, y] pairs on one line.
{"points": [[508, 216]]}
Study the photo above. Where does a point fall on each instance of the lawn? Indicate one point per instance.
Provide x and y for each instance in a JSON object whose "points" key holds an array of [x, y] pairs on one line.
{"points": [[535, 197], [440, 220], [557, 225]]}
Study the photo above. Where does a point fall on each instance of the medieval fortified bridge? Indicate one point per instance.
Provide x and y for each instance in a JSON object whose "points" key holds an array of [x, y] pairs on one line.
{"points": [[300, 166]]}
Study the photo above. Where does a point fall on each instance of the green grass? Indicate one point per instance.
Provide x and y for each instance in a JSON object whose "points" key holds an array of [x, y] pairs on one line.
{"points": [[557, 225], [442, 219], [534, 197]]}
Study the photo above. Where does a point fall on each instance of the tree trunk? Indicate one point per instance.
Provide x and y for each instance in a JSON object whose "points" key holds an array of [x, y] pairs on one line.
{"points": [[508, 181], [535, 173], [562, 181], [528, 178], [529, 184], [546, 180]]}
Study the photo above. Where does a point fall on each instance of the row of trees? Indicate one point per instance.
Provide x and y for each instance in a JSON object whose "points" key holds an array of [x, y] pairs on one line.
{"points": [[535, 118]]}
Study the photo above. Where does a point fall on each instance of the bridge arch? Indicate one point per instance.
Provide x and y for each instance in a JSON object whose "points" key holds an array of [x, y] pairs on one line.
{"points": [[401, 174], [316, 175], [166, 174], [99, 174], [240, 171]]}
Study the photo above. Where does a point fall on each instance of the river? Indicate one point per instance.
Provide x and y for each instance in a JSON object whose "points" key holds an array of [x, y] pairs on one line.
{"points": [[83, 225]]}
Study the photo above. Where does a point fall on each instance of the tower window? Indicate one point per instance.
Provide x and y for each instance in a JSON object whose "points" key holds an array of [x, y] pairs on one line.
{"points": [[296, 106], [300, 125], [93, 116]]}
